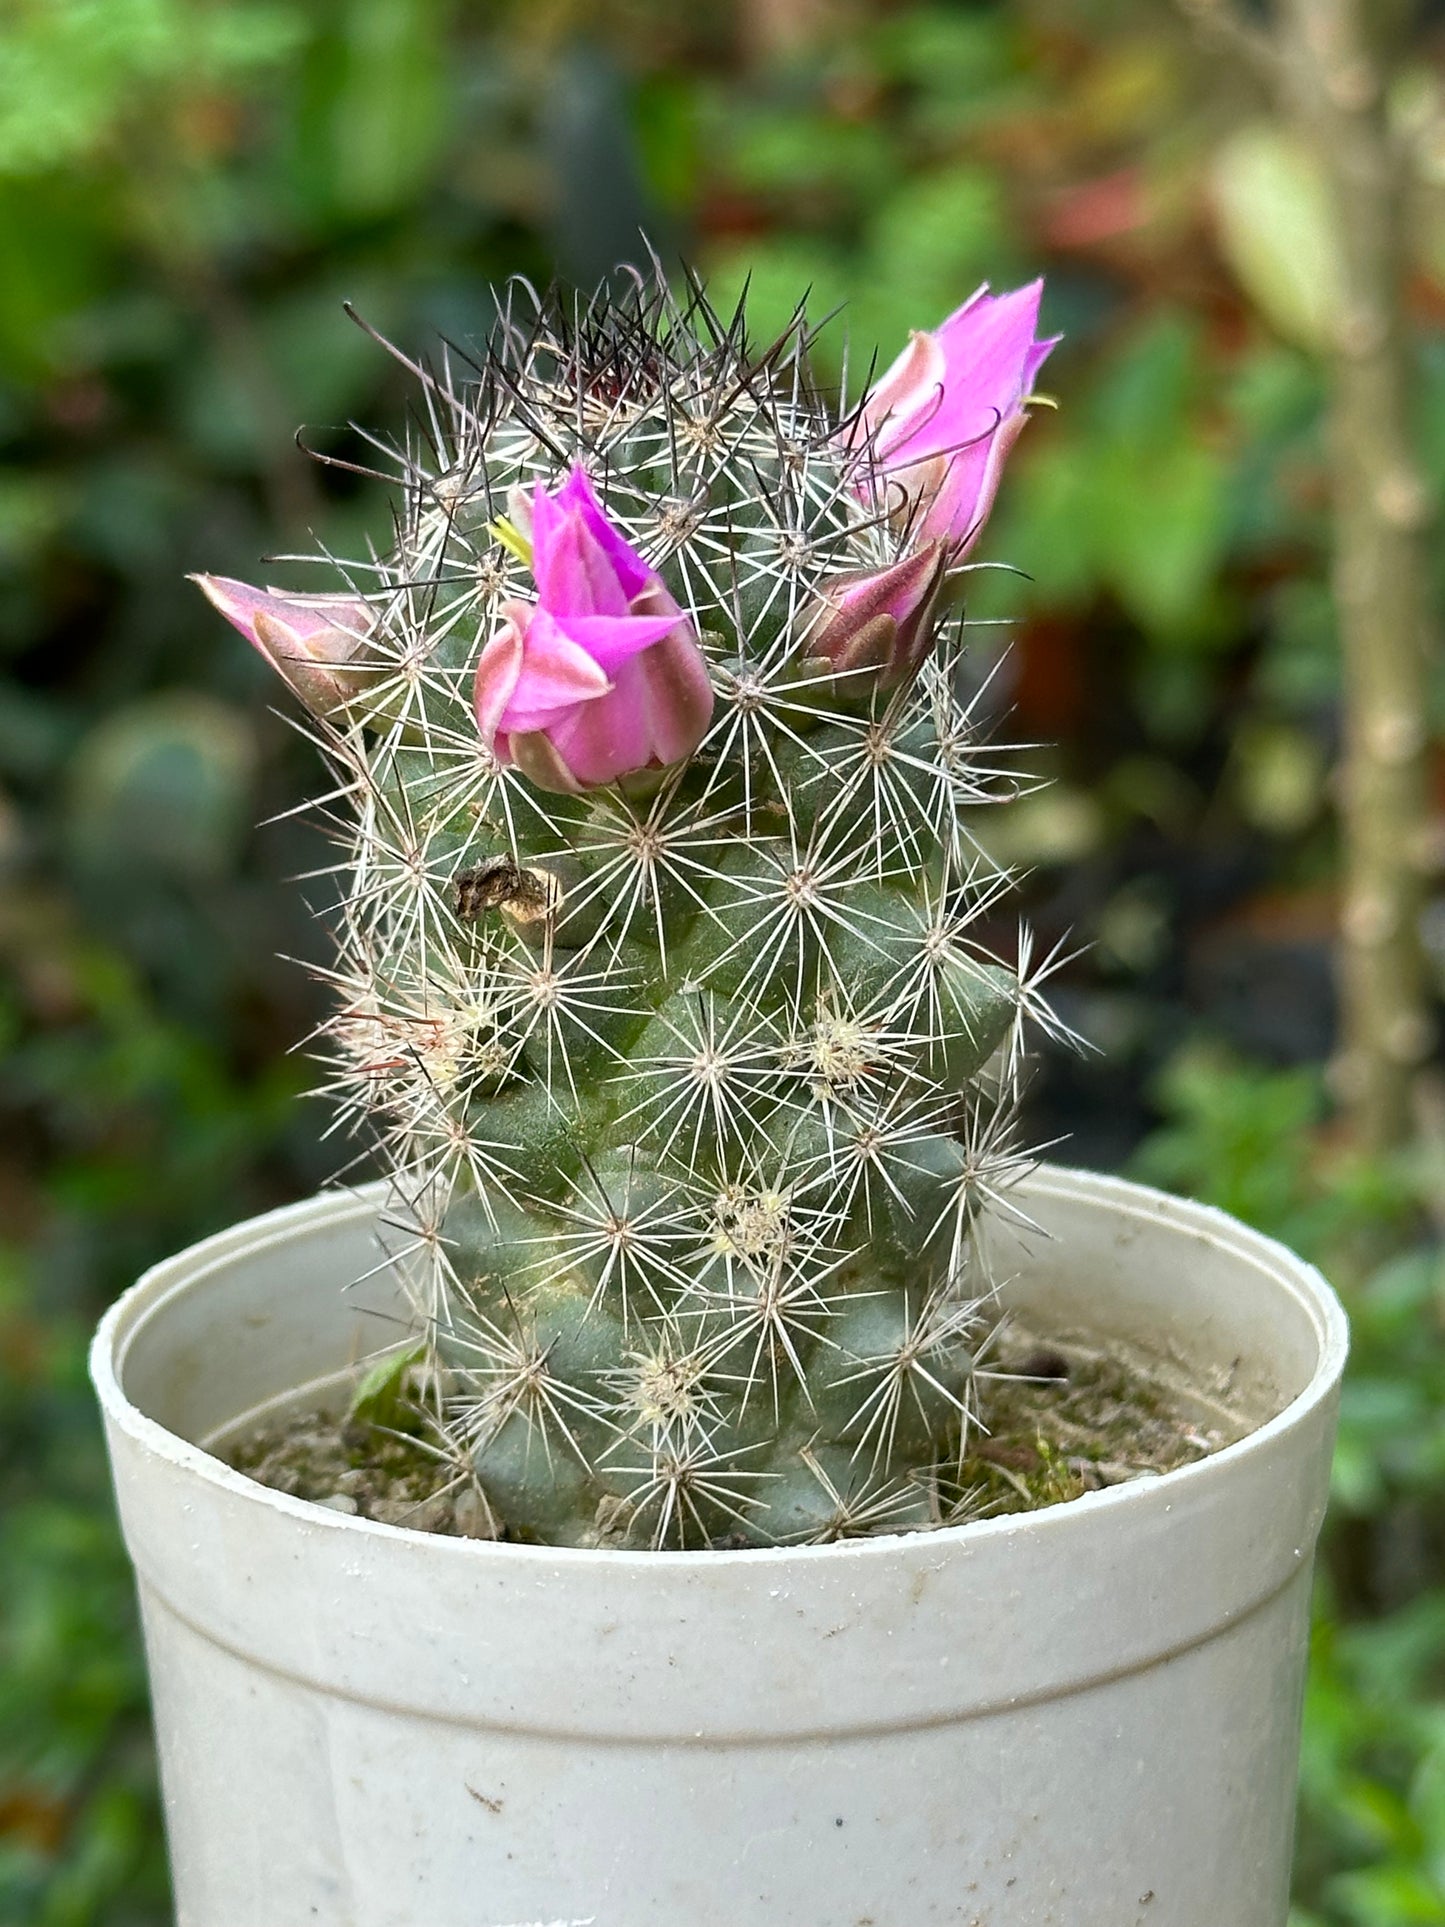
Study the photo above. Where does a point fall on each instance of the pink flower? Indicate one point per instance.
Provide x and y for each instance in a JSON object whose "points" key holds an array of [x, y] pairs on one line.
{"points": [[601, 675], [942, 420], [314, 642], [873, 629]]}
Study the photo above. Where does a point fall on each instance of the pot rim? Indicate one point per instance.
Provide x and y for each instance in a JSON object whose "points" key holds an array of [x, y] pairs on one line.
{"points": [[1290, 1273]]}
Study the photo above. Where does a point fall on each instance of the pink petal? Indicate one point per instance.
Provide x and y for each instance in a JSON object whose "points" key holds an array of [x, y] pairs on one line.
{"points": [[613, 640], [991, 356], [657, 712], [989, 320], [582, 564], [1035, 360], [317, 644], [574, 575], [555, 674], [903, 396], [546, 519], [537, 757], [961, 506], [301, 616], [498, 668], [952, 506], [677, 694], [604, 740], [881, 620], [626, 564]]}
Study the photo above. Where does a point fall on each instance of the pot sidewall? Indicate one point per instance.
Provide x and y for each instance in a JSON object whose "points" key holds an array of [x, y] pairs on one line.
{"points": [[1086, 1715]]}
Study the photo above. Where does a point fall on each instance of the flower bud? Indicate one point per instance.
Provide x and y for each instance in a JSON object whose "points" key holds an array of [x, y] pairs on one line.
{"points": [[315, 643], [943, 418], [874, 628]]}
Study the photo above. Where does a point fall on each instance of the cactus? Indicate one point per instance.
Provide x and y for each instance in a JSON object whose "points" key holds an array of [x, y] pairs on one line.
{"points": [[691, 1077]]}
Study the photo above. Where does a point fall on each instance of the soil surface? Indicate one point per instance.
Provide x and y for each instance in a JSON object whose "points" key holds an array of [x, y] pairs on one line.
{"points": [[1061, 1422]]}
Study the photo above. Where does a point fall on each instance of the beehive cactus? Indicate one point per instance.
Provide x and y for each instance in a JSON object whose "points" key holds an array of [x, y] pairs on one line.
{"points": [[658, 981]]}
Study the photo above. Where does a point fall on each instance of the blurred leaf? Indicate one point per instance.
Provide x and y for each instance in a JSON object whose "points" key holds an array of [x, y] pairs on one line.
{"points": [[1427, 1804], [1276, 229], [1158, 489], [792, 151], [303, 355], [1430, 418], [1300, 667], [59, 253], [1054, 825], [957, 60], [1237, 1137], [1160, 521], [1390, 1897], [665, 121], [1047, 523], [127, 507], [32, 508], [34, 733], [71, 69], [376, 107], [1129, 86], [929, 246], [1380, 1816], [598, 216], [1279, 776]]}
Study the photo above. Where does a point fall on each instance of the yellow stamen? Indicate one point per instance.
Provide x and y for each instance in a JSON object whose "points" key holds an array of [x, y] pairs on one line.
{"points": [[505, 531], [1040, 401]]}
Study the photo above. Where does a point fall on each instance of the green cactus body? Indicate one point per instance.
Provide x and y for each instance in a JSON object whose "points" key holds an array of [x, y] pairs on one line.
{"points": [[691, 1087]]}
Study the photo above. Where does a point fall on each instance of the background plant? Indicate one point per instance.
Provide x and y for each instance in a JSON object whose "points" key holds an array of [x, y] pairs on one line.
{"points": [[185, 198]]}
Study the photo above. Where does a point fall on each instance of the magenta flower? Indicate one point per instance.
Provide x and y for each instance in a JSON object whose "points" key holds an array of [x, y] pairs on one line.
{"points": [[873, 629], [601, 675], [942, 420], [314, 642]]}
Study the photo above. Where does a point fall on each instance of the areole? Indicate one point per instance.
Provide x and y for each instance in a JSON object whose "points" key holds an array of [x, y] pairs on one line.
{"points": [[1086, 1716]]}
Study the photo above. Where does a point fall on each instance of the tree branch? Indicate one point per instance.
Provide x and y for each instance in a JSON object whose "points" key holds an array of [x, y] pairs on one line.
{"points": [[1333, 83], [1329, 75]]}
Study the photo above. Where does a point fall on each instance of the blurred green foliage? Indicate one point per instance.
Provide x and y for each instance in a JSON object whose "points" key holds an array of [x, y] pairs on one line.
{"points": [[188, 190], [1371, 1849]]}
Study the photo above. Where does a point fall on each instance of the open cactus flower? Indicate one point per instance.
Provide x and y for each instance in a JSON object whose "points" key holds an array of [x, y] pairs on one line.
{"points": [[661, 981], [600, 676]]}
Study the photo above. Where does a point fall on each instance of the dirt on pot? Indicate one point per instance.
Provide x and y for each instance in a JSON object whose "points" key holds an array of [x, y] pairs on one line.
{"points": [[1062, 1421]]}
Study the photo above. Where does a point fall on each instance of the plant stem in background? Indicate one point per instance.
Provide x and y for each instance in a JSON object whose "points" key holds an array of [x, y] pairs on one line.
{"points": [[1334, 82], [1330, 76]]}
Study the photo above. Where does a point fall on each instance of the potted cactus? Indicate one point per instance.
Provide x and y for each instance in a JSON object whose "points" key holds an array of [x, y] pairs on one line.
{"points": [[659, 986]]}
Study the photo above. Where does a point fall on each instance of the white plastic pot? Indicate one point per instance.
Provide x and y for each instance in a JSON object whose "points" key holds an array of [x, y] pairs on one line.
{"points": [[1083, 1717]]}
